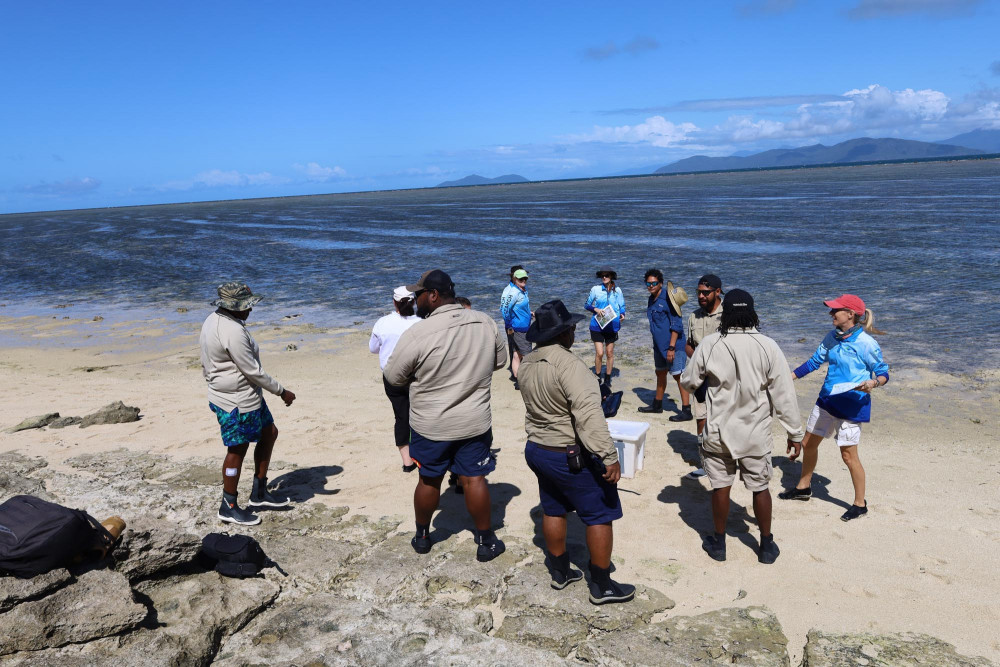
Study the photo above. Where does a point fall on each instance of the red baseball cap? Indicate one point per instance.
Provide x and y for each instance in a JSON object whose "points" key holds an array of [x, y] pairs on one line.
{"points": [[851, 302]]}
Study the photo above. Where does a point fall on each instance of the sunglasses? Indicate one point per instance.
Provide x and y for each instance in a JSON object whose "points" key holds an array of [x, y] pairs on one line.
{"points": [[652, 284], [705, 292]]}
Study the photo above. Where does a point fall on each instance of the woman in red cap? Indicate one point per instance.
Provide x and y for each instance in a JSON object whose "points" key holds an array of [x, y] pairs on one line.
{"points": [[855, 369]]}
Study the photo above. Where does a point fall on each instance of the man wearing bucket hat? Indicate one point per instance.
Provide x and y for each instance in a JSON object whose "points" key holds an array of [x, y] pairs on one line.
{"points": [[385, 334], [663, 310], [230, 361], [448, 360], [571, 452], [747, 379]]}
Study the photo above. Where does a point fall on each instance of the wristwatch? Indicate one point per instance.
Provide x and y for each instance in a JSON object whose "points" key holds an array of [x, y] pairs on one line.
{"points": [[671, 348]]}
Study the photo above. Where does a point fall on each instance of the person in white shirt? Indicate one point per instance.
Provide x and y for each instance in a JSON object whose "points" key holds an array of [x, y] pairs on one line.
{"points": [[230, 362], [385, 334]]}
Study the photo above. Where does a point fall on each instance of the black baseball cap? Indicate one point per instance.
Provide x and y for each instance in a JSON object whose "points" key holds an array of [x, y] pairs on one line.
{"points": [[737, 299], [435, 279], [711, 280]]}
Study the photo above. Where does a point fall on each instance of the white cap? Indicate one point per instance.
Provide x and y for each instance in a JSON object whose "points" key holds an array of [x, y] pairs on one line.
{"points": [[401, 293]]}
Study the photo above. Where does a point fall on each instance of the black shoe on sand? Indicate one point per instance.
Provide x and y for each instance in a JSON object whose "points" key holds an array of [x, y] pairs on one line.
{"points": [[715, 547], [768, 552], [230, 512], [421, 544], [261, 497], [656, 407], [604, 590], [855, 512], [683, 416], [562, 572], [796, 494]]}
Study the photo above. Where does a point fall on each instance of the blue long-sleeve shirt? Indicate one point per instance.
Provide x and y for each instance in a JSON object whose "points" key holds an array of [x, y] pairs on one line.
{"points": [[514, 308], [663, 320], [599, 298], [855, 359]]}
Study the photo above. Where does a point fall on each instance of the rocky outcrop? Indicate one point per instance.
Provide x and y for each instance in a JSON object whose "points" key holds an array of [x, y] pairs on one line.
{"points": [[15, 479], [113, 413], [149, 546], [898, 650], [14, 591], [40, 421], [98, 604]]}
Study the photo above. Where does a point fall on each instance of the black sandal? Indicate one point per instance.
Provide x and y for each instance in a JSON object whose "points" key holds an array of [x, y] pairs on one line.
{"points": [[410, 468]]}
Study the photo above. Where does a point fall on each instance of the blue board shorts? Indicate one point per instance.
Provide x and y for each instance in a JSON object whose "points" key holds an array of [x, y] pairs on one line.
{"points": [[594, 499], [680, 360], [242, 428], [470, 457]]}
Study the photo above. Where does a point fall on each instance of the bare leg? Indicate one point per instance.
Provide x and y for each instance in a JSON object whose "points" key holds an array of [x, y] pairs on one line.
{"points": [[762, 510], [515, 363], [598, 356], [685, 396], [404, 453], [262, 450], [477, 499], [425, 498], [661, 384], [850, 456], [610, 352], [600, 540], [720, 508], [701, 426], [233, 461], [554, 532], [810, 455]]}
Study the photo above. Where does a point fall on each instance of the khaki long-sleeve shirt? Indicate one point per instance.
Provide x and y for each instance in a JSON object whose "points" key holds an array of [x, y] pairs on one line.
{"points": [[563, 402], [748, 380], [448, 361], [230, 362]]}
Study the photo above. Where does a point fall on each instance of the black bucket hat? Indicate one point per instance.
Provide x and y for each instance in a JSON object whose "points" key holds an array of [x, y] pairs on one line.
{"points": [[551, 319], [607, 269]]}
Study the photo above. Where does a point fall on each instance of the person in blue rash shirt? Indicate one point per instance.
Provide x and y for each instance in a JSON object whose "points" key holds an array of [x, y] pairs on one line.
{"points": [[601, 296], [516, 314], [855, 368]]}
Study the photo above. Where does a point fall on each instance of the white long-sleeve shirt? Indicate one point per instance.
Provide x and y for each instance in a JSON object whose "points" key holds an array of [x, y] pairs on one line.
{"points": [[230, 362], [748, 380]]}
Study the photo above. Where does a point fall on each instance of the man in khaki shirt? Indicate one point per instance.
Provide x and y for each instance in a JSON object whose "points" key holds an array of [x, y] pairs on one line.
{"points": [[448, 360], [566, 426], [703, 322], [747, 380]]}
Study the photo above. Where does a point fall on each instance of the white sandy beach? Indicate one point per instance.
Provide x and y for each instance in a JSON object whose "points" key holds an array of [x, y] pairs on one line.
{"points": [[924, 559]]}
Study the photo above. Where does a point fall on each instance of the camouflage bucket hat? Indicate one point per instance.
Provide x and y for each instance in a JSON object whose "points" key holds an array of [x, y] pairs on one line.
{"points": [[236, 296]]}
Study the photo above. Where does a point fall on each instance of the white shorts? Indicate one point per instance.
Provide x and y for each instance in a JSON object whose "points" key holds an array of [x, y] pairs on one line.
{"points": [[825, 425]]}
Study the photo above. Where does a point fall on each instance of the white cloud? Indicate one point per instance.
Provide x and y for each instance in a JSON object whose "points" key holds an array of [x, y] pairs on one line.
{"points": [[656, 131], [67, 188], [313, 171], [216, 178]]}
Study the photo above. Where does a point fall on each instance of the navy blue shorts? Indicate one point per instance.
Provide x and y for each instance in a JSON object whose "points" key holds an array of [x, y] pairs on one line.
{"points": [[469, 456], [680, 360], [594, 499]]}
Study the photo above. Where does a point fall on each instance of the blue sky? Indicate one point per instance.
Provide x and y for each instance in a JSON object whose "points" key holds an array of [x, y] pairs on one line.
{"points": [[114, 103]]}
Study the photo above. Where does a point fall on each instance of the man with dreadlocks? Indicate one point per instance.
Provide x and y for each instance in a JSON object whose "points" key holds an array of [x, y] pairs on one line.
{"points": [[745, 378]]}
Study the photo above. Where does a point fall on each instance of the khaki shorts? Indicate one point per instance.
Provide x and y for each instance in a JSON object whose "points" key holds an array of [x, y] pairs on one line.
{"points": [[755, 471], [698, 409]]}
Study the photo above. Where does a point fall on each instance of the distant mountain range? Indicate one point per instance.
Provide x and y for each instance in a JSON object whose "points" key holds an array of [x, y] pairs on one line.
{"points": [[855, 150], [984, 140], [476, 179]]}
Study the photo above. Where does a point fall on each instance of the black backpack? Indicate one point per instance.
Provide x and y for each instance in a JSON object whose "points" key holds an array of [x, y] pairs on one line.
{"points": [[610, 401], [37, 536], [234, 555]]}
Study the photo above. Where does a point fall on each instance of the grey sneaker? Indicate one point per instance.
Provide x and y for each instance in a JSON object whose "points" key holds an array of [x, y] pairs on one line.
{"points": [[261, 497], [230, 512]]}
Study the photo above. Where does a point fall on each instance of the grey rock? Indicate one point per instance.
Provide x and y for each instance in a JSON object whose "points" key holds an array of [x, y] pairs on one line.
{"points": [[113, 413], [551, 630], [749, 636], [39, 421], [63, 422], [896, 650], [529, 593], [98, 604], [15, 476], [327, 629], [14, 591], [149, 546]]}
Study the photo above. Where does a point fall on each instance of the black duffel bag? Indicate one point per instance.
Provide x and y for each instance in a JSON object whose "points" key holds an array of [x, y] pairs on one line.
{"points": [[37, 536], [234, 555]]}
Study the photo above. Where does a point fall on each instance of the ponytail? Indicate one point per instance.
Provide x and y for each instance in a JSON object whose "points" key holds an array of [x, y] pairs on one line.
{"points": [[611, 286], [868, 322]]}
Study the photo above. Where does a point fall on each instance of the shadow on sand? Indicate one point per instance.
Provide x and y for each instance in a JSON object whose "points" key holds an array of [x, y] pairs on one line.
{"points": [[694, 503], [790, 473], [304, 484], [453, 518]]}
